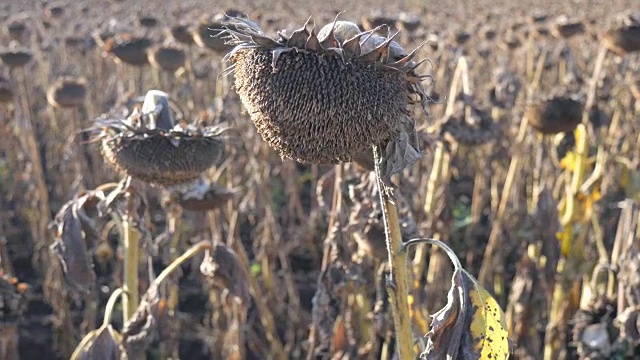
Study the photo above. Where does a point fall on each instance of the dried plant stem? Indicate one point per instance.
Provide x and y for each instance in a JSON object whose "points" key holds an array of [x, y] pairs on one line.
{"points": [[189, 79], [83, 173], [266, 318], [174, 222], [397, 282], [191, 252], [131, 239], [566, 294], [490, 264], [434, 183], [441, 158], [486, 271], [39, 222], [139, 79], [336, 205], [25, 93]]}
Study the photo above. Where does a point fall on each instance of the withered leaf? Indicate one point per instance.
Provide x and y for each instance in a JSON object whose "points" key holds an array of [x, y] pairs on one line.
{"points": [[105, 345], [628, 321], [401, 153], [74, 229], [140, 330], [222, 267], [202, 196], [471, 326]]}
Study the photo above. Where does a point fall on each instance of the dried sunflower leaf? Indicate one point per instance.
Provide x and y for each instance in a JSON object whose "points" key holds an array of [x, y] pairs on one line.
{"points": [[447, 325], [471, 326], [140, 330], [398, 155], [222, 267], [71, 249], [105, 345], [628, 322]]}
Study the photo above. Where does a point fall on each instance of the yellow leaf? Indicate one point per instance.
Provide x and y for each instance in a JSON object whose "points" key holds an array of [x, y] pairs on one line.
{"points": [[564, 237], [587, 203], [568, 161], [488, 325]]}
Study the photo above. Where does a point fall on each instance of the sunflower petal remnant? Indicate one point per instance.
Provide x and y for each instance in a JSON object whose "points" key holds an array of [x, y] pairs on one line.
{"points": [[329, 97]]}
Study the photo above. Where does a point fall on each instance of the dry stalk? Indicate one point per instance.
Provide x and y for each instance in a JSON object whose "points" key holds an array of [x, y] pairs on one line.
{"points": [[397, 281], [440, 171], [39, 222], [131, 246], [266, 318], [566, 295], [490, 264], [328, 244]]}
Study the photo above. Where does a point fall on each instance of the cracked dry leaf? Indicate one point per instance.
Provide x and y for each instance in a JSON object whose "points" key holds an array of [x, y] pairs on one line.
{"points": [[471, 325]]}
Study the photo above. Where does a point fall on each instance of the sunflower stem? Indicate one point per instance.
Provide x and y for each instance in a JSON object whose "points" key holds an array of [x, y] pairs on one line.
{"points": [[397, 284], [566, 294], [266, 317], [131, 239]]}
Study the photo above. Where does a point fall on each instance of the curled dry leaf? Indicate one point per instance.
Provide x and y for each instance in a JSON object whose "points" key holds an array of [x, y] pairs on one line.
{"points": [[104, 343], [140, 330], [628, 323], [222, 267], [75, 231], [471, 326]]}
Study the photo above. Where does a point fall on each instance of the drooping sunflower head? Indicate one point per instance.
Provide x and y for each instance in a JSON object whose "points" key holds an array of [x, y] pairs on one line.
{"points": [[149, 146], [329, 96]]}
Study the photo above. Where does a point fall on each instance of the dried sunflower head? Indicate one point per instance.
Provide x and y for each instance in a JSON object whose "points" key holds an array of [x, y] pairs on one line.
{"points": [[567, 29], [555, 115], [206, 33], [594, 334], [469, 125], [622, 40], [201, 196], [128, 49], [182, 34], [15, 58], [327, 97], [67, 93], [148, 146], [148, 21], [17, 29], [167, 57]]}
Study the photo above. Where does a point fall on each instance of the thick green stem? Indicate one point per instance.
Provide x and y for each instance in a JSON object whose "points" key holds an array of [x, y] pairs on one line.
{"points": [[397, 284]]}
